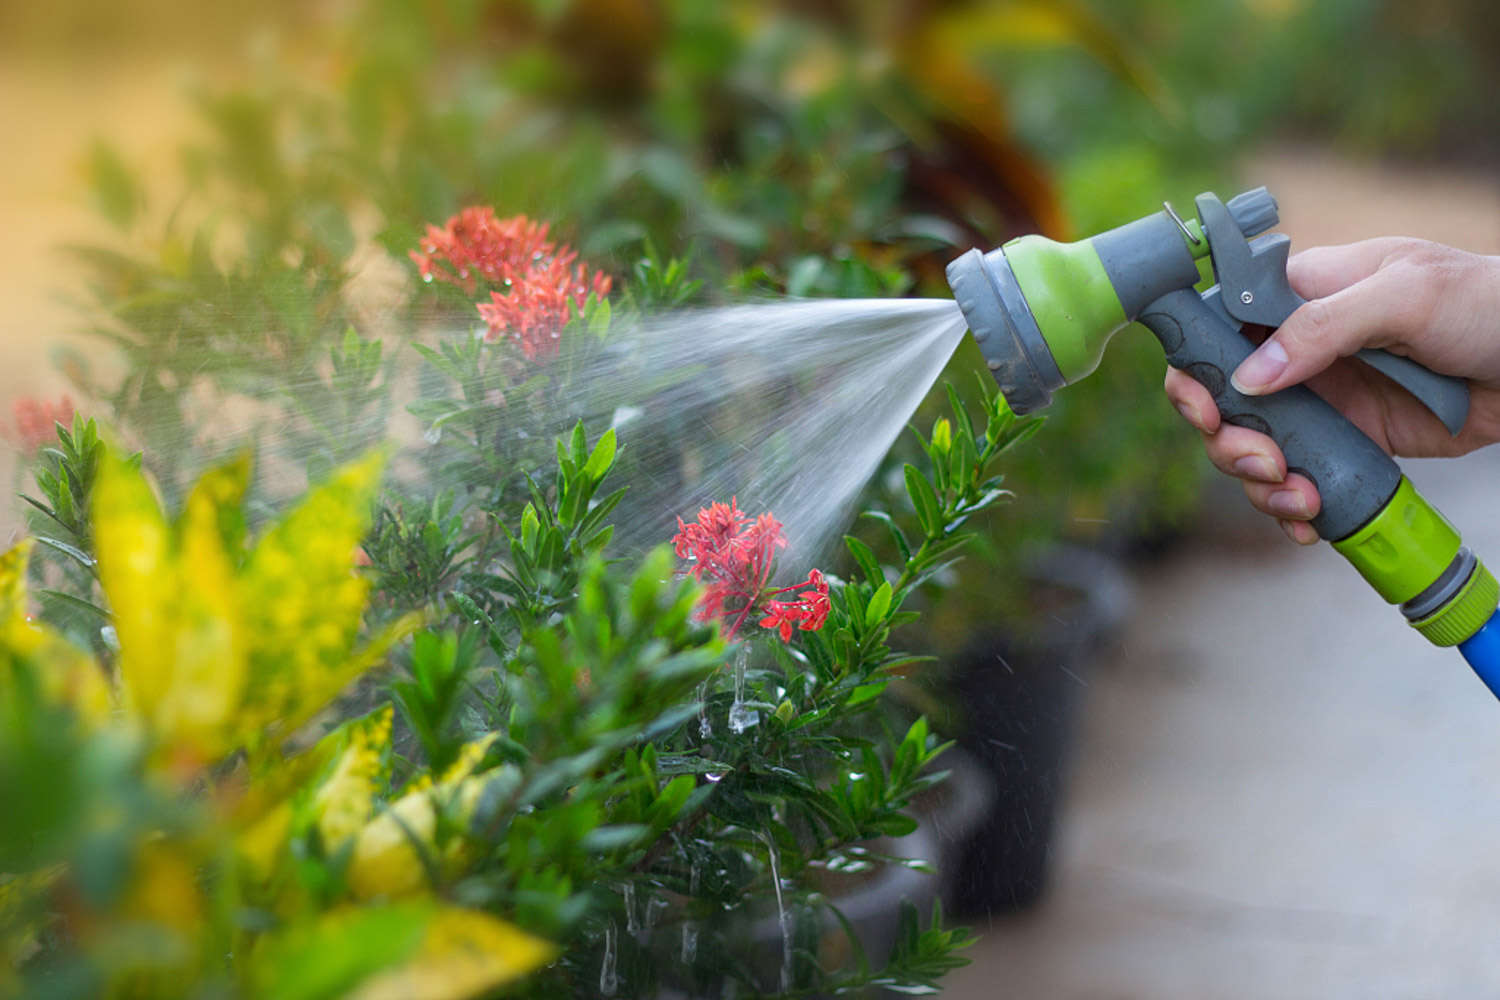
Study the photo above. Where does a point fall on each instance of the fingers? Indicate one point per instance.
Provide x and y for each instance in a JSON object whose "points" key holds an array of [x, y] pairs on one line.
{"points": [[1194, 402], [1294, 499], [1236, 451], [1299, 531], [1245, 454], [1321, 271], [1325, 329], [1251, 457]]}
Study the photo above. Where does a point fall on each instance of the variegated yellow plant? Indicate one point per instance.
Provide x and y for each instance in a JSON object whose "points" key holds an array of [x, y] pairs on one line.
{"points": [[222, 645], [225, 645]]}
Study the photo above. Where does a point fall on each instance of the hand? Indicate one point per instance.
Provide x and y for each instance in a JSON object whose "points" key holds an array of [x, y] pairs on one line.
{"points": [[1435, 304]]}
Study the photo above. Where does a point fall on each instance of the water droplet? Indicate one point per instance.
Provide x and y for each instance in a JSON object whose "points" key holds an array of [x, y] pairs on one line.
{"points": [[713, 777], [655, 906], [609, 980], [741, 716], [433, 434], [427, 277], [631, 926], [781, 917]]}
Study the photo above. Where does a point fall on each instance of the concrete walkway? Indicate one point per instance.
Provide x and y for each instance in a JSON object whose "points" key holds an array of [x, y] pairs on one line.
{"points": [[1279, 789]]}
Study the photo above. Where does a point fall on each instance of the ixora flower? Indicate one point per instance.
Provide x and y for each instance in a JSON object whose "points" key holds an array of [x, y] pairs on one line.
{"points": [[35, 419], [731, 553], [531, 281]]}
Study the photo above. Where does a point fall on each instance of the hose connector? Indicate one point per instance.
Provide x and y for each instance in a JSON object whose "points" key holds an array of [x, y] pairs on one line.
{"points": [[1453, 618]]}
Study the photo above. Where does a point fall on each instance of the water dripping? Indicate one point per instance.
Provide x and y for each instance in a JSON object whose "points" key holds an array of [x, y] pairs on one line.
{"points": [[690, 929], [741, 716], [781, 917], [705, 728], [654, 908], [609, 979], [632, 927]]}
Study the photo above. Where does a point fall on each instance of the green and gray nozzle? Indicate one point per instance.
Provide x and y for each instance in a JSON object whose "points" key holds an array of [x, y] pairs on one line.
{"points": [[1042, 312]]}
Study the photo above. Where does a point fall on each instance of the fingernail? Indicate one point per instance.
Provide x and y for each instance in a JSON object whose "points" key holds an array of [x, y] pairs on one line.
{"points": [[1288, 503], [1257, 467], [1260, 369], [1299, 531], [1189, 413]]}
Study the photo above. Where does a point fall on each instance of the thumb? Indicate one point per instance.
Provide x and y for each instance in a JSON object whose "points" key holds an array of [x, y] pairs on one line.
{"points": [[1320, 332]]}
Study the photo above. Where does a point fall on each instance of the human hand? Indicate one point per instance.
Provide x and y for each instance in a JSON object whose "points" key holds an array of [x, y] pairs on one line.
{"points": [[1432, 303]]}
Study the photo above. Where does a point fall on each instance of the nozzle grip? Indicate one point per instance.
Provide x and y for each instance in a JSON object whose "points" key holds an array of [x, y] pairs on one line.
{"points": [[1354, 476]]}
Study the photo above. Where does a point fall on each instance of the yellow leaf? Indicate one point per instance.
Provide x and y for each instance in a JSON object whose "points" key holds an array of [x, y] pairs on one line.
{"points": [[393, 852], [303, 601], [470, 756], [13, 580], [208, 675], [398, 852], [464, 953], [173, 593], [345, 801], [133, 545]]}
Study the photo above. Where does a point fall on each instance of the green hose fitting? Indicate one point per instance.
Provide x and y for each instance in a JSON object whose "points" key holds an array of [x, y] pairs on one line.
{"points": [[1413, 557], [1404, 548], [1465, 614]]}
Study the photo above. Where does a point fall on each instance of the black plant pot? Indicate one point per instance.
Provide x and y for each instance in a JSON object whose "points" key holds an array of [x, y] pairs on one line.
{"points": [[1020, 693]]}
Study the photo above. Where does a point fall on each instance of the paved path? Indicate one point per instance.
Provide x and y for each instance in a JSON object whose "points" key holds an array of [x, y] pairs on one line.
{"points": [[1279, 789]]}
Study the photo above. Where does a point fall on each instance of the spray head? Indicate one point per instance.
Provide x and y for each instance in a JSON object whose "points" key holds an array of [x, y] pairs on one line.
{"points": [[1042, 311]]}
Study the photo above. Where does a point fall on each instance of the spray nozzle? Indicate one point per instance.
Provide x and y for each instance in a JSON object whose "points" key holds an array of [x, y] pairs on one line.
{"points": [[1042, 313]]}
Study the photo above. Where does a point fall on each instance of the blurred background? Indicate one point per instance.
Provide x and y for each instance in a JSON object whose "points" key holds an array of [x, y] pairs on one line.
{"points": [[1262, 784]]}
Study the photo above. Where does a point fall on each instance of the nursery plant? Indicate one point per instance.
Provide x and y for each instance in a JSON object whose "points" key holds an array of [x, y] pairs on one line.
{"points": [[579, 775]]}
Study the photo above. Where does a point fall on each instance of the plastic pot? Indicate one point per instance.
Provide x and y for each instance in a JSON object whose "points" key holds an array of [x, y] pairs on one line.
{"points": [[1020, 691]]}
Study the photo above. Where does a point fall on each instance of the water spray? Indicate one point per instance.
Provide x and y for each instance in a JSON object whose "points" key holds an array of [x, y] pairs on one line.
{"points": [[1042, 313]]}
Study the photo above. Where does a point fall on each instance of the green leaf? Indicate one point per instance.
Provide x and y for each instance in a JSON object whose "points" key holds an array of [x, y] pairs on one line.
{"points": [[866, 559], [73, 552], [929, 512], [602, 458], [880, 603], [598, 317], [579, 446]]}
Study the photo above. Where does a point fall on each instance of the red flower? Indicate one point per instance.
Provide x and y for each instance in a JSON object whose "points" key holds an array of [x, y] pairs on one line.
{"points": [[732, 555], [536, 307], [35, 419], [532, 282], [474, 245], [808, 611]]}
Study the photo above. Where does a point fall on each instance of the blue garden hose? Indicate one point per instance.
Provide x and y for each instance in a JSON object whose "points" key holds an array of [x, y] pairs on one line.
{"points": [[1482, 650]]}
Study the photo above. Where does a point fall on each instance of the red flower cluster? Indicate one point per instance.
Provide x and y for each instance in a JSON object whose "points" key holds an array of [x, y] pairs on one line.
{"points": [[807, 611], [536, 281], [35, 419], [731, 553]]}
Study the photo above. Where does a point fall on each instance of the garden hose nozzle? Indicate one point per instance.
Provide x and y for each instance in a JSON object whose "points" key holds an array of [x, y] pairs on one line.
{"points": [[1042, 313]]}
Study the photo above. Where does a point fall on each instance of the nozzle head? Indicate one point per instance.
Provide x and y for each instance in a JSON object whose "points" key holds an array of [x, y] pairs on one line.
{"points": [[1004, 328]]}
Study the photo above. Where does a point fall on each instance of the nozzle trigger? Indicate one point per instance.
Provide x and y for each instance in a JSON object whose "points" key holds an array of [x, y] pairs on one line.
{"points": [[1254, 289]]}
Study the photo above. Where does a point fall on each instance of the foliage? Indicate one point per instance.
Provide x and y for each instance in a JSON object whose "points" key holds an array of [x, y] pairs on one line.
{"points": [[579, 758], [137, 840]]}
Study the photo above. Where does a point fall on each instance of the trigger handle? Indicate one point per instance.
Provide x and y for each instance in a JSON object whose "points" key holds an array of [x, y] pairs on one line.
{"points": [[1254, 289]]}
